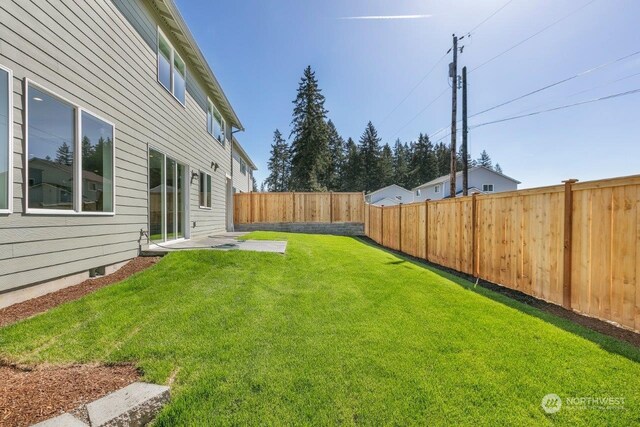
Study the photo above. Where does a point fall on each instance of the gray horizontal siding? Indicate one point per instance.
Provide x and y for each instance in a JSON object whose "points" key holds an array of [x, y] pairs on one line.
{"points": [[100, 55]]}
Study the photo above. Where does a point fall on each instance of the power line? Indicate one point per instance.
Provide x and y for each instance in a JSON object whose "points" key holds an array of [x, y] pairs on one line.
{"points": [[604, 98], [489, 17], [575, 76], [420, 112], [533, 35], [414, 88]]}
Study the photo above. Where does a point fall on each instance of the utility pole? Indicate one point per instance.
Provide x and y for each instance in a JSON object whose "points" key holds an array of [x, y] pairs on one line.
{"points": [[453, 73], [465, 130]]}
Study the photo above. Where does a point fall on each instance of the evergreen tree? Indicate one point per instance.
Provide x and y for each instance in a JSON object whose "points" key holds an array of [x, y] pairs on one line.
{"points": [[401, 164], [310, 157], [386, 166], [64, 155], [351, 172], [443, 156], [424, 162], [262, 187], [497, 168], [336, 157], [485, 160], [369, 148], [279, 164], [254, 184]]}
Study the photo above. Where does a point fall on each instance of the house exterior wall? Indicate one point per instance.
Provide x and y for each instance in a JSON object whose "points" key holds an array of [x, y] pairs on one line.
{"points": [[101, 55], [477, 178], [406, 196], [241, 182]]}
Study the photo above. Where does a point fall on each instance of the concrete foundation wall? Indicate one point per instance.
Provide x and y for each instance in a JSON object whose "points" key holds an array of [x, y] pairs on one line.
{"points": [[337, 228]]}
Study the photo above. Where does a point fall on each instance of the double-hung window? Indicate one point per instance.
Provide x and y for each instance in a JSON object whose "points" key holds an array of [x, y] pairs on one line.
{"points": [[70, 156], [205, 190], [436, 189], [6, 154], [243, 167], [487, 188], [172, 71], [215, 123]]}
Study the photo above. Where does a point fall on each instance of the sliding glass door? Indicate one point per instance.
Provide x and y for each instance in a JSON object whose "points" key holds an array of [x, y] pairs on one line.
{"points": [[166, 198]]}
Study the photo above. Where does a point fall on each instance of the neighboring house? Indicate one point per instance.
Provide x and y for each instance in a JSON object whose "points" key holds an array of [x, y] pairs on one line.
{"points": [[481, 180], [242, 169], [112, 125], [389, 195]]}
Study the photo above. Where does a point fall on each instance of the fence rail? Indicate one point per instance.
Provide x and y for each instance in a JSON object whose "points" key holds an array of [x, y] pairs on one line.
{"points": [[252, 208], [576, 244]]}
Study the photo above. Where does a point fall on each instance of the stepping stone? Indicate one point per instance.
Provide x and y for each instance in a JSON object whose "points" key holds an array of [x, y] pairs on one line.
{"points": [[135, 405], [64, 420]]}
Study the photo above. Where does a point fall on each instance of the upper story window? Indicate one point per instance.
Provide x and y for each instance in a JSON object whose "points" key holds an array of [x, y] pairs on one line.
{"points": [[6, 167], [215, 123], [436, 189], [172, 71], [487, 188], [70, 157], [418, 192], [243, 167]]}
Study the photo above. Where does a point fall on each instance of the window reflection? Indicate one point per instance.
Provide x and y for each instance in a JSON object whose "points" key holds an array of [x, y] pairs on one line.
{"points": [[4, 139], [97, 164]]}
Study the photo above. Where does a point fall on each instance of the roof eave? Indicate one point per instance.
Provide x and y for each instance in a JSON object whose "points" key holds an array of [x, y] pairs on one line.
{"points": [[176, 23]]}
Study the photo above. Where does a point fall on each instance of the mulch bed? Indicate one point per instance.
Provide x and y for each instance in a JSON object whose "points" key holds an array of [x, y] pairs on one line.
{"points": [[31, 395], [592, 323], [22, 310]]}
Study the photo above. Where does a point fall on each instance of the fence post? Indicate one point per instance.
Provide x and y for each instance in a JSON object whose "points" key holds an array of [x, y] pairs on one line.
{"points": [[400, 227], [251, 215], [293, 206], [331, 207], [382, 225], [426, 229], [568, 237], [474, 235]]}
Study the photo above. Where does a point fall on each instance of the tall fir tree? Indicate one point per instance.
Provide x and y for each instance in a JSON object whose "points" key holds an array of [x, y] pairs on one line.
{"points": [[497, 168], [279, 164], [337, 154], [424, 162], [401, 164], [310, 156], [443, 156], [369, 148], [485, 160], [386, 166], [351, 172]]}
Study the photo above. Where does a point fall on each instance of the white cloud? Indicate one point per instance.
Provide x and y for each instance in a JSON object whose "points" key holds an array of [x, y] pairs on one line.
{"points": [[385, 17]]}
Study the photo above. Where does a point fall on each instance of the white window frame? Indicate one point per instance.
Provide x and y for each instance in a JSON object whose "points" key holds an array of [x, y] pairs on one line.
{"points": [[436, 189], [10, 141], [487, 185], [171, 67], [77, 166], [418, 193], [207, 189], [224, 122], [243, 165]]}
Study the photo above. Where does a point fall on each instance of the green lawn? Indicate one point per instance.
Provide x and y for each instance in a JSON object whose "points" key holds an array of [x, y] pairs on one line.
{"points": [[334, 332]]}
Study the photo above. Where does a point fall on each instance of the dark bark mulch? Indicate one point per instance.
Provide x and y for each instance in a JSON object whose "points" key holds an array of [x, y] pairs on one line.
{"points": [[31, 395], [592, 323], [22, 310]]}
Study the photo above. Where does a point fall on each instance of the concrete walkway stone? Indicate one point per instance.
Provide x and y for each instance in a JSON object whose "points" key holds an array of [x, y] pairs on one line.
{"points": [[134, 405]]}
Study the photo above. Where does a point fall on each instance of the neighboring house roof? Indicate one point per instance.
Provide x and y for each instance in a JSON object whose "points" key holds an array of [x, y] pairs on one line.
{"points": [[387, 201], [244, 154], [68, 169], [179, 29], [445, 178], [388, 186], [471, 190]]}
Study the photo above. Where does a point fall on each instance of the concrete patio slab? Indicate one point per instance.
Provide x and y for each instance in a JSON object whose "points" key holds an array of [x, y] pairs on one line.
{"points": [[223, 242]]}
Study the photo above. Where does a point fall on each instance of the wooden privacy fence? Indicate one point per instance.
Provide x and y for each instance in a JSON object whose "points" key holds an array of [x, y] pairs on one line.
{"points": [[251, 208], [576, 244]]}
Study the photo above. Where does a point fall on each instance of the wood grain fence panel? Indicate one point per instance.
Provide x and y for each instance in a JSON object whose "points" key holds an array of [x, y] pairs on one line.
{"points": [[391, 222], [348, 207]]}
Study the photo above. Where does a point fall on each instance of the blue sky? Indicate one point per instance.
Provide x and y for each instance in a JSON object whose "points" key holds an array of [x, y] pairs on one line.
{"points": [[259, 48]]}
